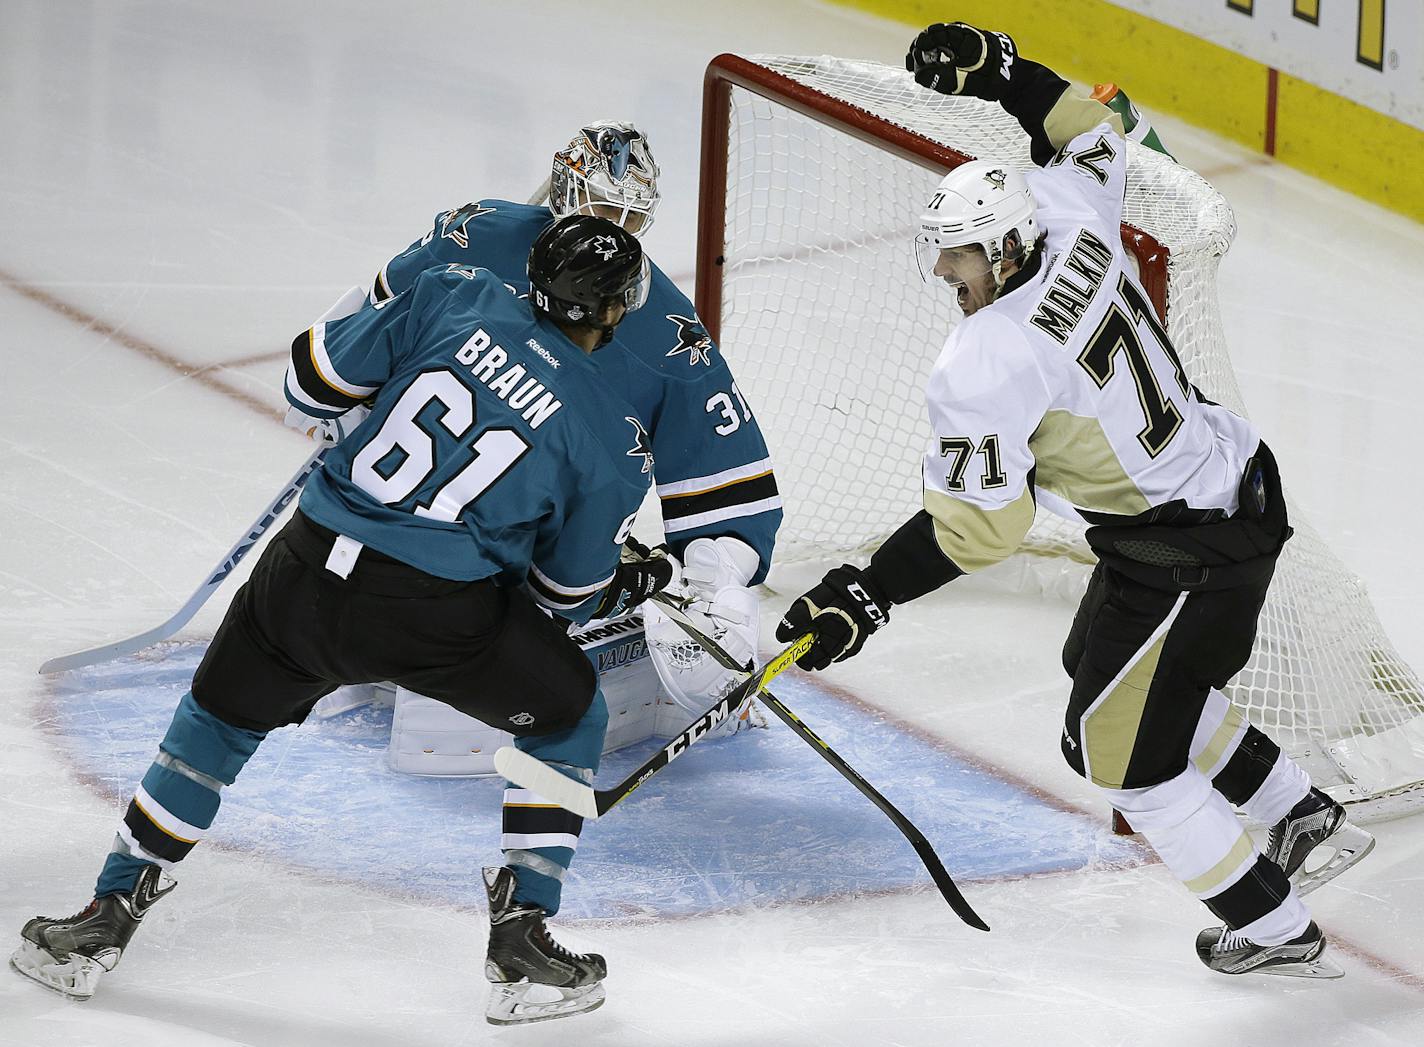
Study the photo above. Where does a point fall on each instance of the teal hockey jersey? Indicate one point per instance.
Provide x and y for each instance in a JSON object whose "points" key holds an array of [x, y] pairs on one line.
{"points": [[713, 471], [494, 447]]}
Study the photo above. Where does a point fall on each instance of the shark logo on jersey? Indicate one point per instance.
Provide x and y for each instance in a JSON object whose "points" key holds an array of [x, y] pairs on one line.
{"points": [[606, 247], [642, 445], [692, 339], [998, 179], [453, 223]]}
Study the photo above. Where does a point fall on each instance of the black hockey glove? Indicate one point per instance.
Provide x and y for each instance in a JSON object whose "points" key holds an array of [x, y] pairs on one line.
{"points": [[957, 59], [633, 582], [842, 611]]}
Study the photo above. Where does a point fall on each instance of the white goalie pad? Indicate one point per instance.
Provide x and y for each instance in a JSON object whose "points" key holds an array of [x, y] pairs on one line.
{"points": [[714, 574], [429, 737], [691, 677]]}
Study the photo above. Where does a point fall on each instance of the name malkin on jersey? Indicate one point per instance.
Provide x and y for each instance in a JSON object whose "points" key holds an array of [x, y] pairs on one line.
{"points": [[1065, 301], [511, 384]]}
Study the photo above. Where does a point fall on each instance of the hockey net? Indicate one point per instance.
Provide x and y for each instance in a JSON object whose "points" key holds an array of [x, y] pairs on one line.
{"points": [[814, 171]]}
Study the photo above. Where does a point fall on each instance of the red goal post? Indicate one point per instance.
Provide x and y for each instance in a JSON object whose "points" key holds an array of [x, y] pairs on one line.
{"points": [[814, 172], [728, 70]]}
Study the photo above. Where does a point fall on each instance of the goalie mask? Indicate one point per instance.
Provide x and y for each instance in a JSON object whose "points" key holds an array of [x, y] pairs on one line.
{"points": [[607, 170], [981, 215]]}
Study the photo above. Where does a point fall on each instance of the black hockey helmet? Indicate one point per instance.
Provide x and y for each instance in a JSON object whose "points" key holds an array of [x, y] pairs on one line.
{"points": [[581, 265]]}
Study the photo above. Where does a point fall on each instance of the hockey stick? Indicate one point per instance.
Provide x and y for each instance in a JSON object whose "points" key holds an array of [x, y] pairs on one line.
{"points": [[529, 772], [935, 867], [225, 567]]}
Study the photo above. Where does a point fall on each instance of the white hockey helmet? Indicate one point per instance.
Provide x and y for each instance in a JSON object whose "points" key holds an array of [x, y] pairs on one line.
{"points": [[607, 170], [979, 202]]}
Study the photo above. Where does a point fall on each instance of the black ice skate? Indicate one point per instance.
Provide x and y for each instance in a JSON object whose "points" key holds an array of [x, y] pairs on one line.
{"points": [[1315, 822], [1227, 952], [533, 978], [70, 955]]}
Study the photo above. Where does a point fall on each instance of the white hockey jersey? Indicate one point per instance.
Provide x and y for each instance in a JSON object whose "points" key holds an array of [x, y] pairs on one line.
{"points": [[1069, 385]]}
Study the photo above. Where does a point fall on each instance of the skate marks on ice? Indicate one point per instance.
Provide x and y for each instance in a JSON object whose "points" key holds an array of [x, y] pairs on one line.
{"points": [[752, 820]]}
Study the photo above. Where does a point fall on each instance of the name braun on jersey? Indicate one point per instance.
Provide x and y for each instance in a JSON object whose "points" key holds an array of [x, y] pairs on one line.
{"points": [[489, 367], [1065, 301]]}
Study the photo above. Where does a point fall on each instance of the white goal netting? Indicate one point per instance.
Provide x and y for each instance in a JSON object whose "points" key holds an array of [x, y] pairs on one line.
{"points": [[822, 302]]}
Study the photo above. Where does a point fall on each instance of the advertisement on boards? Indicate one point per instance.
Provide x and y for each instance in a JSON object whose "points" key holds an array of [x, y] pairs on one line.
{"points": [[1369, 51]]}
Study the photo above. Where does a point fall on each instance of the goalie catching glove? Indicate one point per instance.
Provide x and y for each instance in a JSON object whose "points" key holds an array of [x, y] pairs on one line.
{"points": [[842, 611], [957, 59], [714, 579]]}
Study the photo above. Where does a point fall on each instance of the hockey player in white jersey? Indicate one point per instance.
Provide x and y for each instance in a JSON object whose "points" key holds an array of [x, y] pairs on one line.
{"points": [[1060, 387]]}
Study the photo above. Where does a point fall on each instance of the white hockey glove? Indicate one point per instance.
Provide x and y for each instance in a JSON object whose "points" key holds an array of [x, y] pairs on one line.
{"points": [[715, 573], [329, 431]]}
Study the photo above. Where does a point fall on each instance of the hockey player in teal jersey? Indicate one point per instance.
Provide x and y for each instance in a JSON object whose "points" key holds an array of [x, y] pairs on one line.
{"points": [[720, 506], [493, 455]]}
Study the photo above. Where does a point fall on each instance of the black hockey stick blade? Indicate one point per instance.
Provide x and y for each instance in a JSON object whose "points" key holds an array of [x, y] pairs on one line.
{"points": [[930, 860], [928, 857], [529, 772]]}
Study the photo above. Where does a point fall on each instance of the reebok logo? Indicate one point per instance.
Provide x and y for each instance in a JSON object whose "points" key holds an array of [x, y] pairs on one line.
{"points": [[550, 358]]}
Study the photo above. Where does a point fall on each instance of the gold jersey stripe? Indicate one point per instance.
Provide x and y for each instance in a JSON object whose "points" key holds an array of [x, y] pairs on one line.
{"points": [[1073, 113], [1076, 461], [718, 487], [974, 537]]}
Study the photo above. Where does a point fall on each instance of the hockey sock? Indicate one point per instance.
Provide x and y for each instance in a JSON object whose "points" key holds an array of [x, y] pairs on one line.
{"points": [[1200, 840], [1245, 765], [1285, 786], [178, 799], [539, 837]]}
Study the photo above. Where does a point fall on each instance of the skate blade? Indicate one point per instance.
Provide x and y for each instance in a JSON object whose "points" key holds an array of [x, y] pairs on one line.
{"points": [[520, 1003], [1321, 967], [74, 978], [1350, 843]]}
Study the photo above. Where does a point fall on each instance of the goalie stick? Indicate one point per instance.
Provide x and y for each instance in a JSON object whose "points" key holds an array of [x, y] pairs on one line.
{"points": [[947, 887], [225, 567], [529, 772]]}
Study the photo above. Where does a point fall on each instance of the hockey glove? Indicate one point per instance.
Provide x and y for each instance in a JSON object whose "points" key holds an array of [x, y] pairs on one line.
{"points": [[329, 431], [633, 582], [842, 611], [957, 59]]}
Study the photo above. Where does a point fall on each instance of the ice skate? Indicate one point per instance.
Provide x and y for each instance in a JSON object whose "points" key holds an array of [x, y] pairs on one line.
{"points": [[71, 955], [1316, 821], [532, 977], [1228, 952]]}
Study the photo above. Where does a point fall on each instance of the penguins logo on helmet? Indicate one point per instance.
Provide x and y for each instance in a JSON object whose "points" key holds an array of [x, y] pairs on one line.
{"points": [[998, 178]]}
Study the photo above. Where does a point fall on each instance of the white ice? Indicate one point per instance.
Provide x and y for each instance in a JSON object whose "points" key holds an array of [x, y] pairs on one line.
{"points": [[185, 185]]}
